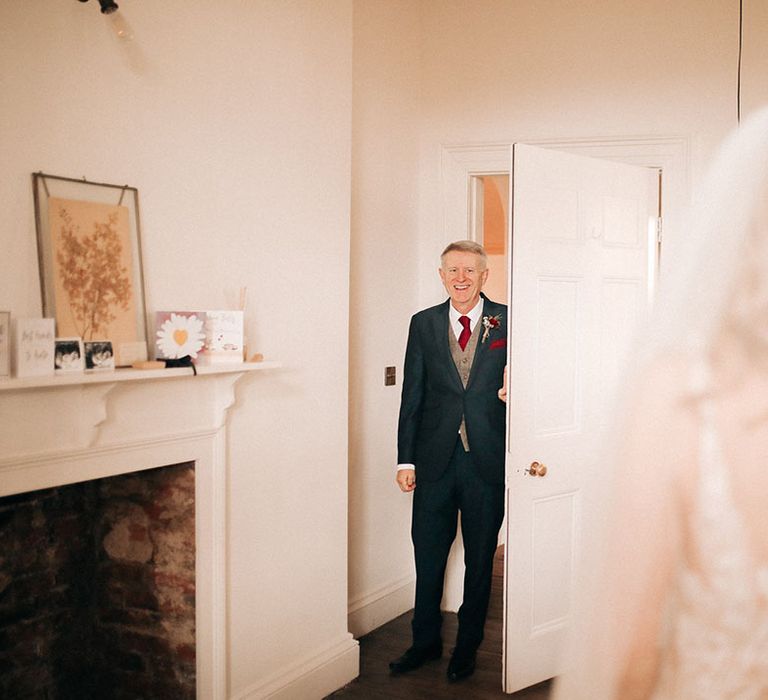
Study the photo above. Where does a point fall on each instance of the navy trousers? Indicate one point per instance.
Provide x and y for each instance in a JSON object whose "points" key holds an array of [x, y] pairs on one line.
{"points": [[436, 508]]}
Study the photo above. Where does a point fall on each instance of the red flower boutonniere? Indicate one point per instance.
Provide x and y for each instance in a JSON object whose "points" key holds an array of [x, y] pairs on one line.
{"points": [[490, 323]]}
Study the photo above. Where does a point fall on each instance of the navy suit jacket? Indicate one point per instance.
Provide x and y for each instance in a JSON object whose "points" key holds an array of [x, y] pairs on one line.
{"points": [[434, 399]]}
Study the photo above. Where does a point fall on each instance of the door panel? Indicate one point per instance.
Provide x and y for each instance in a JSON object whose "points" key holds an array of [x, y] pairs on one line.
{"points": [[556, 378], [578, 236]]}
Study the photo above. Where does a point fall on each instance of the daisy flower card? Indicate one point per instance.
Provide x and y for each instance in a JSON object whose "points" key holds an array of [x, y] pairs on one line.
{"points": [[179, 334]]}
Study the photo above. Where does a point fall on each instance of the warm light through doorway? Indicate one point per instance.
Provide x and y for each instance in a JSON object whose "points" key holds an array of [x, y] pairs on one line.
{"points": [[489, 222]]}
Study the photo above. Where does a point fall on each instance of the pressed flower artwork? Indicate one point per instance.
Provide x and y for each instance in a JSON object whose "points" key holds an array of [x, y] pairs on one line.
{"points": [[92, 270], [179, 334]]}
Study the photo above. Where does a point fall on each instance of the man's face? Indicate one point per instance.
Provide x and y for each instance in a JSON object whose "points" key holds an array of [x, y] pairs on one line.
{"points": [[463, 275]]}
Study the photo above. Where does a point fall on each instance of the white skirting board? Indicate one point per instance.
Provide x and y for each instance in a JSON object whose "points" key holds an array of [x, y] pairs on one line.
{"points": [[311, 678], [372, 610]]}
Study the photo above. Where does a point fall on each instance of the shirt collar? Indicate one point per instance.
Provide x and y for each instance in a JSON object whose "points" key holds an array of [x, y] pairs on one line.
{"points": [[474, 315]]}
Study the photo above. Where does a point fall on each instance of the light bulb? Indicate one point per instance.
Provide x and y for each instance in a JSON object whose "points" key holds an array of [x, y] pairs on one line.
{"points": [[120, 26]]}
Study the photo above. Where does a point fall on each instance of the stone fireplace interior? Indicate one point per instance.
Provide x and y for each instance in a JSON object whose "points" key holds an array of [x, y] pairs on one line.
{"points": [[97, 588]]}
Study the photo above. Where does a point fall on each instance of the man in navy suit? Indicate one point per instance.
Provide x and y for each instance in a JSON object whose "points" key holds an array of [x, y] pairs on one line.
{"points": [[451, 438]]}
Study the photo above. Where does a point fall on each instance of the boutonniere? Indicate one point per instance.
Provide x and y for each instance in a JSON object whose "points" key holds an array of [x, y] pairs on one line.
{"points": [[490, 323]]}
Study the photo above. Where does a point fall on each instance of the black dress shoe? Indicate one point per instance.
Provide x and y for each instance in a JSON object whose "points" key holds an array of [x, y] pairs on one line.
{"points": [[461, 665], [414, 658]]}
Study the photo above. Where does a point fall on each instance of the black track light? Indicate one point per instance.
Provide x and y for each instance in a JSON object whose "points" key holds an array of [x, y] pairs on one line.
{"points": [[107, 6]]}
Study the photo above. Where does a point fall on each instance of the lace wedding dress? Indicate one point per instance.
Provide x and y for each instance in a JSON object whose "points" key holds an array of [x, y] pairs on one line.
{"points": [[717, 620]]}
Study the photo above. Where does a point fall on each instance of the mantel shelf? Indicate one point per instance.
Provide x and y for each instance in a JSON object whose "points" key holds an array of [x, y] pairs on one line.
{"points": [[127, 375]]}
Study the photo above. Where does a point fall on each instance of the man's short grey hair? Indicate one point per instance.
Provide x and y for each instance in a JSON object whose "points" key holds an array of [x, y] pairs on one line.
{"points": [[465, 247]]}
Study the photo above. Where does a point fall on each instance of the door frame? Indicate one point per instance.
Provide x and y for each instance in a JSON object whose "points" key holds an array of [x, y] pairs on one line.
{"points": [[459, 162]]}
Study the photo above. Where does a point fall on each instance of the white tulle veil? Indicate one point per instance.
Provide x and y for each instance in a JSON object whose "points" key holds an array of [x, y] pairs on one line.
{"points": [[702, 270]]}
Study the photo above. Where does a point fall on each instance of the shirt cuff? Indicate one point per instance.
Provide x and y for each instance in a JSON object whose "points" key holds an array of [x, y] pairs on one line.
{"points": [[406, 466]]}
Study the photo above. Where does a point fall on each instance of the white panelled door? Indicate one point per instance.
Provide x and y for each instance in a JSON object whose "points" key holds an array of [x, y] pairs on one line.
{"points": [[579, 236]]}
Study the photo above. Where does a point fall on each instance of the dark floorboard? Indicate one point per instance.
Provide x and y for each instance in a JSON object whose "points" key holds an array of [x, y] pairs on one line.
{"points": [[387, 642]]}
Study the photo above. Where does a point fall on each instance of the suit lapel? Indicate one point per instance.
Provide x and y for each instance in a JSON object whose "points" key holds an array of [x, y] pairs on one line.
{"points": [[489, 309], [441, 329]]}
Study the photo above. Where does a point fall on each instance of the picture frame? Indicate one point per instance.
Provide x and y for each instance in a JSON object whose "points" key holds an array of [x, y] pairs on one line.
{"points": [[5, 344], [89, 256], [99, 355], [68, 355]]}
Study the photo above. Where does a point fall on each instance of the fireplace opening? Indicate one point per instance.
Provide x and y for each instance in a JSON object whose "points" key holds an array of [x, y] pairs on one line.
{"points": [[97, 589]]}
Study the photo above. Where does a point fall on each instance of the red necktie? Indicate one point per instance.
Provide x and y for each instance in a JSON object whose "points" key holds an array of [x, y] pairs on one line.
{"points": [[465, 332]]}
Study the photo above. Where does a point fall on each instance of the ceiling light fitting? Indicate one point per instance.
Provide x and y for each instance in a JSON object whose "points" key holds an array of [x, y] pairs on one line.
{"points": [[107, 6]]}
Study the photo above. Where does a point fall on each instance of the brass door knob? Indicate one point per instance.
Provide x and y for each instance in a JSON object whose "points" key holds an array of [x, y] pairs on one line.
{"points": [[537, 469]]}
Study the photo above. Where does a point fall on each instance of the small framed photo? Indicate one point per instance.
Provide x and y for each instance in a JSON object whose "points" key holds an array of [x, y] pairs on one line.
{"points": [[5, 343], [68, 355], [99, 355]]}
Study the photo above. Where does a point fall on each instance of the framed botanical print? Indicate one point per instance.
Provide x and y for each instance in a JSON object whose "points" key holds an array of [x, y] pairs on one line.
{"points": [[89, 252]]}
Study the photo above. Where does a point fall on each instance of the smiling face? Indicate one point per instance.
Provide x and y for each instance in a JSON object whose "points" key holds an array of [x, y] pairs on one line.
{"points": [[463, 275]]}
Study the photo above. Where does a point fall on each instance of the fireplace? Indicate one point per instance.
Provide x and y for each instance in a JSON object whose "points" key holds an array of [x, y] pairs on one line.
{"points": [[97, 588], [85, 429]]}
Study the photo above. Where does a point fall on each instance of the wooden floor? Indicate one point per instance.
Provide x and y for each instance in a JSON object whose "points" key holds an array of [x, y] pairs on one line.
{"points": [[387, 642]]}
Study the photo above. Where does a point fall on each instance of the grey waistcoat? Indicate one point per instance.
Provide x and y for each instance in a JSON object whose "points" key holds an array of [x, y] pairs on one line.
{"points": [[463, 360]]}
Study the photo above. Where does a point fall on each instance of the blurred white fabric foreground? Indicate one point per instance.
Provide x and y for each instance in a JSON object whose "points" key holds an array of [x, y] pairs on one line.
{"points": [[675, 589]]}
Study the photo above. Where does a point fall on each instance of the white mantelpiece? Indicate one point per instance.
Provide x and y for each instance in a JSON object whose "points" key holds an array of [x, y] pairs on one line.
{"points": [[70, 428]]}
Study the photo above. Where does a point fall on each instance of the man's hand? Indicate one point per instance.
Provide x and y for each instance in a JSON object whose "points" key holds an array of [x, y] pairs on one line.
{"points": [[502, 394], [406, 479]]}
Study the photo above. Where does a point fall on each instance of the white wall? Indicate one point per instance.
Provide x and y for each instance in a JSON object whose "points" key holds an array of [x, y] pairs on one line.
{"points": [[383, 295], [496, 71], [234, 122], [754, 88], [490, 71]]}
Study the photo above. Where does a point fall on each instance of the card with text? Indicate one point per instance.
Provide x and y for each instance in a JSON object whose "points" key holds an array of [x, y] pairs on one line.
{"points": [[34, 341]]}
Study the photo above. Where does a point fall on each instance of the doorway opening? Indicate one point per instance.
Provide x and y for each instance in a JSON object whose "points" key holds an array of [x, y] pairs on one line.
{"points": [[489, 221]]}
